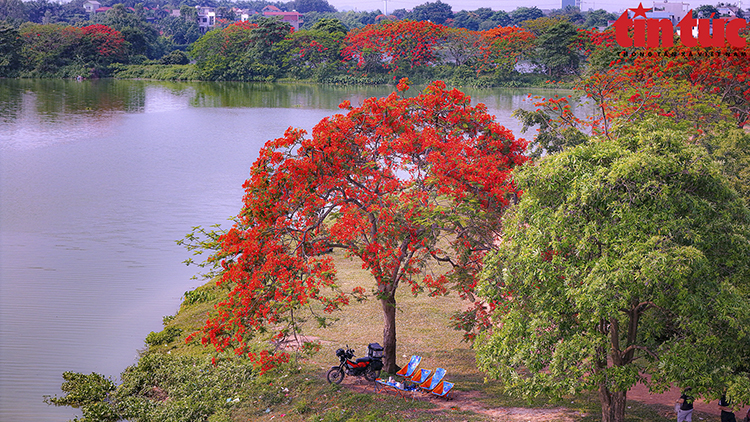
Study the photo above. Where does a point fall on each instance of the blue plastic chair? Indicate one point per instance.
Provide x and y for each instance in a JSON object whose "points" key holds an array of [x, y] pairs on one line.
{"points": [[420, 376], [408, 370], [443, 389], [432, 382]]}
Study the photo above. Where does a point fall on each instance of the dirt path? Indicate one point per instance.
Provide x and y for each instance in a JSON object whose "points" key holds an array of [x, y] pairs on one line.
{"points": [[470, 401]]}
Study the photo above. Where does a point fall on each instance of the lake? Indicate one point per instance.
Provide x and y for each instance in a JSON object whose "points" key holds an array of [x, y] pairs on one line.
{"points": [[98, 179]]}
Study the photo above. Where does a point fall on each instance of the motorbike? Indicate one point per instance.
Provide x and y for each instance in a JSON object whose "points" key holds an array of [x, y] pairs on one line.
{"points": [[368, 367]]}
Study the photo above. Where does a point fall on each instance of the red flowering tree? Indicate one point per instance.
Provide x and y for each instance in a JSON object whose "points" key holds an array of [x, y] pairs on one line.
{"points": [[461, 46], [61, 50], [397, 183], [504, 46], [392, 45], [103, 44]]}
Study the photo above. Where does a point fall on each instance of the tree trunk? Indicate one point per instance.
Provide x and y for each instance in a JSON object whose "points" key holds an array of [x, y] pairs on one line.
{"points": [[389, 332], [613, 404]]}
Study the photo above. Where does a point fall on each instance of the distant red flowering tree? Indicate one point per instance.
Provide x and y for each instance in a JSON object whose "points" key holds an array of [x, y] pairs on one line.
{"points": [[49, 48], [392, 45], [397, 183], [106, 42], [504, 46]]}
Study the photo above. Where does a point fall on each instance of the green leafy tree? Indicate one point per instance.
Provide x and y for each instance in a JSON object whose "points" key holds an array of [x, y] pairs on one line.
{"points": [[141, 36], [190, 14], [570, 13], [222, 54], [499, 18], [304, 6], [625, 262], [330, 25], [308, 52], [265, 38], [598, 18], [705, 11], [467, 20], [48, 48], [523, 14], [437, 12], [88, 393], [12, 10], [10, 48], [555, 49], [354, 19], [162, 387], [730, 147], [180, 31], [242, 51]]}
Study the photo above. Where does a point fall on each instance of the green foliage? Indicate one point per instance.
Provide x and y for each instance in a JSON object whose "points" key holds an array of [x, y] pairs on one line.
{"points": [[437, 12], [730, 147], [622, 258], [555, 49], [158, 72], [180, 31], [242, 52], [175, 57], [10, 47], [551, 137], [598, 18], [304, 6], [90, 393], [142, 37], [165, 336], [12, 11], [330, 25], [199, 295], [162, 388], [523, 14]]}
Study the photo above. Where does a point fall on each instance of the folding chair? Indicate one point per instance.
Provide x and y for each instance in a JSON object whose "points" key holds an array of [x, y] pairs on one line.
{"points": [[420, 376], [408, 370], [432, 382], [443, 389]]}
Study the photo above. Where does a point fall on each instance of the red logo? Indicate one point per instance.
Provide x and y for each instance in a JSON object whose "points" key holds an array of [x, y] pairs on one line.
{"points": [[651, 32]]}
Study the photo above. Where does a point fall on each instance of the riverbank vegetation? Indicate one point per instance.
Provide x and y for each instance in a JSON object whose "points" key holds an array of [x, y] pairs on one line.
{"points": [[468, 48], [479, 48]]}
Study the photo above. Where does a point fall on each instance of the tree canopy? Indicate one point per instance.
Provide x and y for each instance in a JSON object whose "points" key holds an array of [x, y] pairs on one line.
{"points": [[625, 262], [396, 183]]}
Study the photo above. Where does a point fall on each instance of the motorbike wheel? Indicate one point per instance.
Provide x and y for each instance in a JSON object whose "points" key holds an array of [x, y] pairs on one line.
{"points": [[371, 374], [335, 375]]}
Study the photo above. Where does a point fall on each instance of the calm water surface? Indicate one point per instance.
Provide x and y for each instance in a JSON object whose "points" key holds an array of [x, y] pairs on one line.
{"points": [[97, 181]]}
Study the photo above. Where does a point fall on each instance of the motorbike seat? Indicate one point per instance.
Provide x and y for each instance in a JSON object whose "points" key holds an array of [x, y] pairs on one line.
{"points": [[365, 359]]}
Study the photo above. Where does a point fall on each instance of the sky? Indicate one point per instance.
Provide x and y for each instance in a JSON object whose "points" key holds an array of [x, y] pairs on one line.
{"points": [[507, 5]]}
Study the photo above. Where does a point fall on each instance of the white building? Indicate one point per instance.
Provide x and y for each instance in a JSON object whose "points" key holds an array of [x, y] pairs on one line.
{"points": [[206, 17], [674, 11], [91, 5]]}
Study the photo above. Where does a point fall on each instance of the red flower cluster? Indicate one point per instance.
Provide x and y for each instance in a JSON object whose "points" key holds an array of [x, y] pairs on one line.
{"points": [[387, 182]]}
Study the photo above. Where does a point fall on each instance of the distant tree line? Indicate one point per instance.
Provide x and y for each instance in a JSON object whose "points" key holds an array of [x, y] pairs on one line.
{"points": [[479, 47]]}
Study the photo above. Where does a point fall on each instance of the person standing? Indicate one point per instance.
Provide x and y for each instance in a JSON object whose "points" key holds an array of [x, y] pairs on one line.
{"points": [[727, 414], [685, 411]]}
